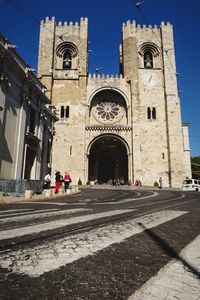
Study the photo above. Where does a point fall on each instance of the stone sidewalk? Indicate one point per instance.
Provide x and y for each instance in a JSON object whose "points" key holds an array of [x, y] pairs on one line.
{"points": [[46, 195]]}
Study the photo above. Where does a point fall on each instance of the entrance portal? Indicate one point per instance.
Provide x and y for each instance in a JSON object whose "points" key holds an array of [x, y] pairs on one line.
{"points": [[108, 160]]}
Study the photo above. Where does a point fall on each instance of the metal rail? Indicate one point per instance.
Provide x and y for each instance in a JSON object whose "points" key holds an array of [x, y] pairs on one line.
{"points": [[10, 245]]}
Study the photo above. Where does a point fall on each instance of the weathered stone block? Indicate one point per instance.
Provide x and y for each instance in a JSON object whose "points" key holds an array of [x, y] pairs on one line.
{"points": [[48, 193], [28, 194], [61, 192]]}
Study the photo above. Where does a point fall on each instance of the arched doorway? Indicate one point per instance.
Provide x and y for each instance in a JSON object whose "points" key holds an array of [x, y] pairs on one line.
{"points": [[108, 159]]}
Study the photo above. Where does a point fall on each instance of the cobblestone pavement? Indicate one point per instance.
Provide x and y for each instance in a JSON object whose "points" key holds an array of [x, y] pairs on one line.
{"points": [[111, 244], [177, 280]]}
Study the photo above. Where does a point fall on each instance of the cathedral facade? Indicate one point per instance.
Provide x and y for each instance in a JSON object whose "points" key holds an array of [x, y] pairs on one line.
{"points": [[126, 126]]}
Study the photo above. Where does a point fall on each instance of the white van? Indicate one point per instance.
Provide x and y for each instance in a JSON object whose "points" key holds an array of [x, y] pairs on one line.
{"points": [[191, 185]]}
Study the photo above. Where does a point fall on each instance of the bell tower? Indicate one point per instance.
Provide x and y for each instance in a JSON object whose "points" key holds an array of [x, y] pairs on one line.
{"points": [[63, 53], [147, 57], [63, 69]]}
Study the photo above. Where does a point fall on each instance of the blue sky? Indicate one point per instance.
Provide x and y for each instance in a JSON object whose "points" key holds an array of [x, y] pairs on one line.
{"points": [[21, 27]]}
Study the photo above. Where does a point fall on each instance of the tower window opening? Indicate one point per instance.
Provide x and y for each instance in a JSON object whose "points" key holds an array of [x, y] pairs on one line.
{"points": [[62, 111], [148, 60], [67, 112], [154, 113], [66, 56], [151, 113], [67, 60]]}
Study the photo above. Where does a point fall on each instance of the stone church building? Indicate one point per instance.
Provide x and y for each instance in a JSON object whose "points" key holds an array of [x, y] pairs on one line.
{"points": [[115, 126]]}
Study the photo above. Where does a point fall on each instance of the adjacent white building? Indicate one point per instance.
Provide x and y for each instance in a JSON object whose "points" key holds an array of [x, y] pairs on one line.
{"points": [[26, 120]]}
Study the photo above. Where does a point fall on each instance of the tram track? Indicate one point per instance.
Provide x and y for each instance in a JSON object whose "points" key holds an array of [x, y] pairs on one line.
{"points": [[12, 244]]}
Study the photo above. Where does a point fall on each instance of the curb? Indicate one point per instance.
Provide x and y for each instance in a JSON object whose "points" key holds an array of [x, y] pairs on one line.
{"points": [[15, 200]]}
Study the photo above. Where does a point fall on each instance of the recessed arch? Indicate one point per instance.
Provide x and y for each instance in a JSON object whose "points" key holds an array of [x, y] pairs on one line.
{"points": [[67, 56], [149, 47], [108, 158], [108, 106], [66, 46], [108, 88], [149, 53]]}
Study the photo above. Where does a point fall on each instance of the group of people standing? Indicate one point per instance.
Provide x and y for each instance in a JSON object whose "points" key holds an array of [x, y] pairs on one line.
{"points": [[59, 179]]}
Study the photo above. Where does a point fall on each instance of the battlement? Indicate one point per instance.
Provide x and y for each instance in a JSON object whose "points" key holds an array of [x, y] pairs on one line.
{"points": [[47, 20], [68, 28], [83, 22], [130, 27], [105, 76]]}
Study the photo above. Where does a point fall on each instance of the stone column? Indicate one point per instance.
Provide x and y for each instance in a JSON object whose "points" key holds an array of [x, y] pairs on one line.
{"points": [[20, 147]]}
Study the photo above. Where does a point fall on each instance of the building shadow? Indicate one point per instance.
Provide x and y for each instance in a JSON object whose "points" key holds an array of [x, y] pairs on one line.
{"points": [[169, 250]]}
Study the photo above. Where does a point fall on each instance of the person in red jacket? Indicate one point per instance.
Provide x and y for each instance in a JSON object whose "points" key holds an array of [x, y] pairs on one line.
{"points": [[58, 180], [67, 180]]}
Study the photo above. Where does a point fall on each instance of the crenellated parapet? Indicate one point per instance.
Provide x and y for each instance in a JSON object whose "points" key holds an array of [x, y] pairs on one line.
{"points": [[96, 81], [68, 28], [105, 76], [83, 22], [130, 28]]}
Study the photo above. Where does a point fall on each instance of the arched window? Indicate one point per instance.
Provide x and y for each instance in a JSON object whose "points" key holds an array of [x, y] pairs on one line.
{"points": [[67, 112], [151, 113], [149, 53], [67, 56], [67, 60], [154, 113], [148, 60], [62, 112], [148, 113]]}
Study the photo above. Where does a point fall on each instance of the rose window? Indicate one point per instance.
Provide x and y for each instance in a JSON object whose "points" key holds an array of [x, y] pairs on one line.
{"points": [[107, 112]]}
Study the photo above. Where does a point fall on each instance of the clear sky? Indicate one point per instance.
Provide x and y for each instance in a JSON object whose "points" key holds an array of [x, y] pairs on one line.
{"points": [[21, 26]]}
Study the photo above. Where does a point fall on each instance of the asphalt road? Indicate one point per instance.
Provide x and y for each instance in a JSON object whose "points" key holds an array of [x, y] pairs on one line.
{"points": [[100, 244]]}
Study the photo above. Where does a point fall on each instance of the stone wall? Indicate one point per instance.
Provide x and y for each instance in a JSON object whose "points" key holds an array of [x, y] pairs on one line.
{"points": [[19, 186]]}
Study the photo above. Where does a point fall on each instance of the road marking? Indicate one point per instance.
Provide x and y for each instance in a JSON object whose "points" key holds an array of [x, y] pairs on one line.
{"points": [[154, 194], [86, 200], [175, 280], [55, 203], [48, 203], [11, 233], [14, 210], [38, 215], [27, 212], [159, 202], [49, 256]]}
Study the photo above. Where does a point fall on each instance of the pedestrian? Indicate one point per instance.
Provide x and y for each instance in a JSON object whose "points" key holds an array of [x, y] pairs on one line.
{"points": [[58, 180], [47, 181], [160, 183], [67, 180]]}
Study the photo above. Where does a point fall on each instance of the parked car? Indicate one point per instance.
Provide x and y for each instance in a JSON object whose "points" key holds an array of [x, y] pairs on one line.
{"points": [[191, 185]]}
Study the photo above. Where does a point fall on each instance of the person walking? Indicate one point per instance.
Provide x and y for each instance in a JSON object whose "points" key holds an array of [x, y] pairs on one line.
{"points": [[67, 180], [47, 181], [58, 180], [160, 183]]}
